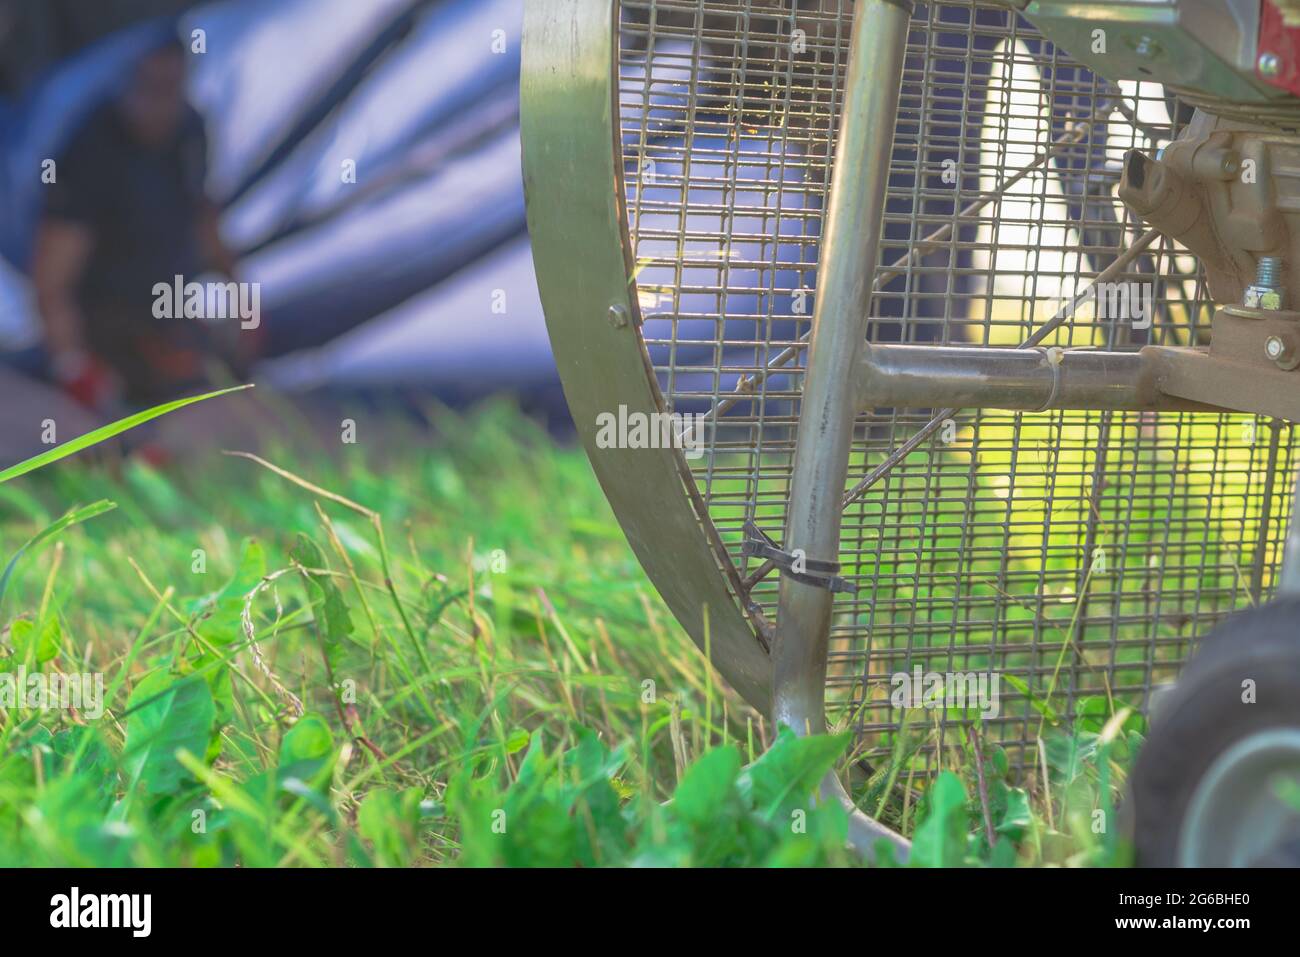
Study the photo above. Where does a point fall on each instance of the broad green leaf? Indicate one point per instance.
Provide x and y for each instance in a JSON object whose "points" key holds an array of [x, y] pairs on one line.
{"points": [[66, 821], [1017, 817], [540, 833], [391, 822], [220, 612], [327, 599], [83, 753], [1070, 755], [593, 761], [301, 778], [940, 839], [790, 771], [309, 739], [708, 785], [998, 761], [823, 840], [250, 571], [593, 798], [219, 619], [307, 750], [33, 645], [536, 766], [1090, 713], [166, 713]]}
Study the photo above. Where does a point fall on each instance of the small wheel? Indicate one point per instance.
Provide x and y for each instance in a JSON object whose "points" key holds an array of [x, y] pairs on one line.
{"points": [[1217, 782]]}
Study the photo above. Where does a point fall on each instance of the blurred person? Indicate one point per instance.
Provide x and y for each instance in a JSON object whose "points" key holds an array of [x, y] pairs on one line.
{"points": [[126, 212]]}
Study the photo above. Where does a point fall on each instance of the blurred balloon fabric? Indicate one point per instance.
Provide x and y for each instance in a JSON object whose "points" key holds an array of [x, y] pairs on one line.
{"points": [[415, 271]]}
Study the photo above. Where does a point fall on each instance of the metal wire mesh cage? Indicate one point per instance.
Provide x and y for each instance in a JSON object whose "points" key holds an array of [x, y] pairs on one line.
{"points": [[1063, 555], [1072, 553]]}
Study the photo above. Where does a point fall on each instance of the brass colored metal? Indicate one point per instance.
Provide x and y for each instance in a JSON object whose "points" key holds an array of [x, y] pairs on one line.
{"points": [[1229, 192], [1248, 366], [1255, 385]]}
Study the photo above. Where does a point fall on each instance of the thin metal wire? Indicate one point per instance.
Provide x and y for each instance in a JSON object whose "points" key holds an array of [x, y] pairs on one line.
{"points": [[1077, 555]]}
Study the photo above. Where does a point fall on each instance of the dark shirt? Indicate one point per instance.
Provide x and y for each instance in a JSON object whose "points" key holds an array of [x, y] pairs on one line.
{"points": [[142, 203]]}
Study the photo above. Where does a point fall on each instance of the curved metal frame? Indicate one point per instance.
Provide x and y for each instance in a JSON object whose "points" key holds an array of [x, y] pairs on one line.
{"points": [[582, 252], [574, 186], [578, 220]]}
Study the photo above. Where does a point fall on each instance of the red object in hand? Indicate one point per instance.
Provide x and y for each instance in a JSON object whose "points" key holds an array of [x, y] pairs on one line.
{"points": [[87, 380]]}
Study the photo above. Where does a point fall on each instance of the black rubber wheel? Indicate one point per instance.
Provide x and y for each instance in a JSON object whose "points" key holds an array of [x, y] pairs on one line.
{"points": [[1205, 789]]}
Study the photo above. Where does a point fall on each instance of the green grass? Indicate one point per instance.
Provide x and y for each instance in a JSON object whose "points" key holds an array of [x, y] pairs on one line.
{"points": [[435, 652]]}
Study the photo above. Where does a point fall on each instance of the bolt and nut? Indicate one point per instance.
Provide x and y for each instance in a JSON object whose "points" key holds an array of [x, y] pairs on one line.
{"points": [[1266, 291], [1262, 298], [1282, 350]]}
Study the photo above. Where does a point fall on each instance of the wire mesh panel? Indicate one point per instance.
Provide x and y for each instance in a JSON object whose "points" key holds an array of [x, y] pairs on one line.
{"points": [[1057, 556]]}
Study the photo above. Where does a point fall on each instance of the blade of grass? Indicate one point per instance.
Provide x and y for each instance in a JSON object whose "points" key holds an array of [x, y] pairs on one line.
{"points": [[377, 524], [71, 518], [107, 432]]}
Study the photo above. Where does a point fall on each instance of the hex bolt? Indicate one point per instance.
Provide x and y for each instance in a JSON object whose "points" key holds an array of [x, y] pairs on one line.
{"points": [[1266, 272], [1216, 164], [1269, 64], [618, 315], [1265, 292], [1281, 349]]}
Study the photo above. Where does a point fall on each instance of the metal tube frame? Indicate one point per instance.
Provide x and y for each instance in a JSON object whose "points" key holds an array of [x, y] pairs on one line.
{"points": [[573, 181], [584, 265], [854, 215], [1288, 582], [1031, 380]]}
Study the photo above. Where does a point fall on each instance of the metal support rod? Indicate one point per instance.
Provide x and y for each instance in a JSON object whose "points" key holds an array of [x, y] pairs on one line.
{"points": [[1032, 380], [1271, 476], [850, 250], [1288, 582]]}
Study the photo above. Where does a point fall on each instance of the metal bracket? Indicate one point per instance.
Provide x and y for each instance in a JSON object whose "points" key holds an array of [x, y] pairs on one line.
{"points": [[1226, 381], [759, 544]]}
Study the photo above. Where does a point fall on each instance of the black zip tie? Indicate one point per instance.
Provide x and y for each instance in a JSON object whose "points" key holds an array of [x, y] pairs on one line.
{"points": [[822, 574]]}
